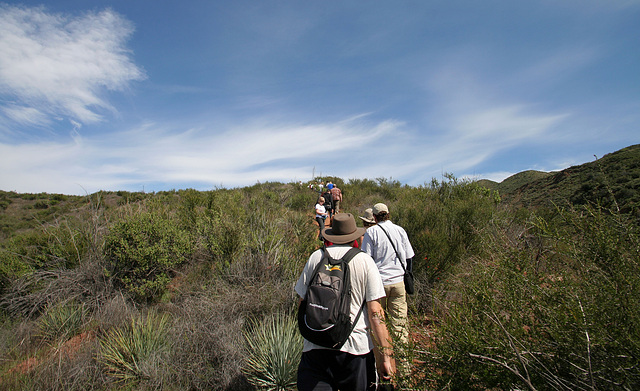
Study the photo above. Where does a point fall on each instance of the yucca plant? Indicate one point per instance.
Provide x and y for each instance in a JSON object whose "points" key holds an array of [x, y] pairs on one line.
{"points": [[274, 347], [136, 351], [61, 321]]}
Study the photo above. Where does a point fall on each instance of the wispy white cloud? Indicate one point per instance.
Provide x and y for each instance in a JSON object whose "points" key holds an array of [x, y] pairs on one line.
{"points": [[502, 127], [154, 154], [61, 65], [25, 115], [475, 116]]}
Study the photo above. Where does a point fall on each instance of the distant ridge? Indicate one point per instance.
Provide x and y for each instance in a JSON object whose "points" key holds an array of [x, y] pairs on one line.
{"points": [[612, 181], [515, 181]]}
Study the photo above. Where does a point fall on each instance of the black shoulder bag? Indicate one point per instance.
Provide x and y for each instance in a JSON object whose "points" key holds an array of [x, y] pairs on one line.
{"points": [[408, 274]]}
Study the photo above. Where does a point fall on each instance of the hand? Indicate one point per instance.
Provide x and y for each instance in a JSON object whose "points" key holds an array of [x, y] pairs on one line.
{"points": [[386, 367]]}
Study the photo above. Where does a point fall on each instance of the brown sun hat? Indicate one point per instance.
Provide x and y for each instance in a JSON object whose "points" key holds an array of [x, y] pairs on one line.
{"points": [[343, 229], [368, 216]]}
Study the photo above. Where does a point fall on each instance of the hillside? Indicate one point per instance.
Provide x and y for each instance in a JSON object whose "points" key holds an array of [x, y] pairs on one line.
{"points": [[612, 181], [192, 289]]}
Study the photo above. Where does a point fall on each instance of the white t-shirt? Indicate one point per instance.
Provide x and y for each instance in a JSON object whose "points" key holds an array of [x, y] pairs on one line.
{"points": [[377, 245], [364, 278], [322, 209]]}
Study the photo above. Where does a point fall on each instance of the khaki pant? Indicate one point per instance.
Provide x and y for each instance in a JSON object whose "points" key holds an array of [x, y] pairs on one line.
{"points": [[395, 308]]}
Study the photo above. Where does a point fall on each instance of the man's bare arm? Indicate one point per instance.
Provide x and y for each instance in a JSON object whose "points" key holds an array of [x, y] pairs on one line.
{"points": [[383, 349]]}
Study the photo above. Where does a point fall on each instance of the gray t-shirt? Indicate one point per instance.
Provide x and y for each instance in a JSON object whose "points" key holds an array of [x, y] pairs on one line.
{"points": [[365, 285]]}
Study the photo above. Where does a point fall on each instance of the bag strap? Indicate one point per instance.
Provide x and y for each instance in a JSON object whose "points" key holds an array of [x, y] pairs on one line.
{"points": [[394, 248], [347, 258]]}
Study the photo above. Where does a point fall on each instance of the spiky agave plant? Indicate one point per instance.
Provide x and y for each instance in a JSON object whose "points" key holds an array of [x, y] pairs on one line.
{"points": [[135, 351], [274, 347], [62, 321]]}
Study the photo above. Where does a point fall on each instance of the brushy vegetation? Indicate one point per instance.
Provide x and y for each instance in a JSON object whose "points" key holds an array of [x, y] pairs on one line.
{"points": [[194, 289], [548, 305]]}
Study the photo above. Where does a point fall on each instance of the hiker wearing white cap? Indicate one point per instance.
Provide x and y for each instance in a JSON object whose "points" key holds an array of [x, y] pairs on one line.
{"points": [[379, 242]]}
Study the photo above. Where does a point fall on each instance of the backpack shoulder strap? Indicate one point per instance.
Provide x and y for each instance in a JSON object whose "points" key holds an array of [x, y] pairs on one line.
{"points": [[346, 259], [325, 256], [350, 254]]}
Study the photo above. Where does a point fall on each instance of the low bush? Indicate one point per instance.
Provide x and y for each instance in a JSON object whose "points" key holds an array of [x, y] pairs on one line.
{"points": [[143, 250], [207, 330], [30, 294]]}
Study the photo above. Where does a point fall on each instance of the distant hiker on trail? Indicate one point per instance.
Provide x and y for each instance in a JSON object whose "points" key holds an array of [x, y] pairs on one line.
{"points": [[336, 195], [328, 204], [377, 244], [368, 346], [367, 221], [321, 215]]}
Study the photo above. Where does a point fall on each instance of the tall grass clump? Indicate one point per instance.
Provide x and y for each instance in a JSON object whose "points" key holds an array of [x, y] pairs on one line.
{"points": [[553, 304], [137, 352], [274, 347]]}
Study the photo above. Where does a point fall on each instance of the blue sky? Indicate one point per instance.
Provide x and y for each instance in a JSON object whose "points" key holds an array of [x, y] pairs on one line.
{"points": [[160, 95]]}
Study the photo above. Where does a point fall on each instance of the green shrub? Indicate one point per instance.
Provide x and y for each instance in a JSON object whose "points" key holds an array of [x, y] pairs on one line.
{"points": [[274, 347], [367, 192], [130, 198], [143, 250], [444, 223], [206, 233], [60, 245], [12, 267], [302, 201], [190, 201]]}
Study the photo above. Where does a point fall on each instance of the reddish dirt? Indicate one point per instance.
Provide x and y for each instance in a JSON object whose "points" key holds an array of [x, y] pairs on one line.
{"points": [[68, 349]]}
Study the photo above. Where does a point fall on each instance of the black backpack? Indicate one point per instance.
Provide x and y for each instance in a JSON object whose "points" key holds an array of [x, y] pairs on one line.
{"points": [[323, 316], [328, 200]]}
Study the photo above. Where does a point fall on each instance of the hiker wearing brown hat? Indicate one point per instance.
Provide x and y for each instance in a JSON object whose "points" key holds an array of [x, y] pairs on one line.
{"points": [[352, 366], [388, 245]]}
